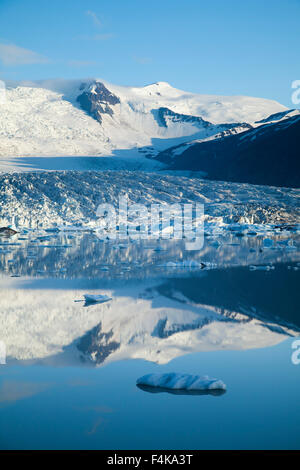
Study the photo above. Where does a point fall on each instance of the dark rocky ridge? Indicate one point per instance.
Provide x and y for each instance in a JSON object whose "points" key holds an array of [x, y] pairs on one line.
{"points": [[267, 155], [162, 113], [98, 344], [98, 101], [275, 117]]}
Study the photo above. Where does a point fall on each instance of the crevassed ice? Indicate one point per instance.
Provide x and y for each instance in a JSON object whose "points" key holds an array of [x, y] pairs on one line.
{"points": [[177, 381]]}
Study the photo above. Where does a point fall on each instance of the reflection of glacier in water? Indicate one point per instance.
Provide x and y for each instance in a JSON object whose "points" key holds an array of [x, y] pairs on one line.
{"points": [[162, 305], [83, 255]]}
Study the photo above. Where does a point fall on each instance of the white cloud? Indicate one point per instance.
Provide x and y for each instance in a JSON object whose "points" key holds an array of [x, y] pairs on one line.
{"points": [[94, 18], [15, 55], [102, 37], [99, 25], [82, 63], [142, 60]]}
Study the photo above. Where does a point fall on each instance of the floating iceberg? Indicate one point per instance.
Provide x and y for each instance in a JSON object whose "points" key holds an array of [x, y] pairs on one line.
{"points": [[97, 298], [260, 268], [187, 382], [188, 264], [169, 264], [7, 231], [268, 243]]}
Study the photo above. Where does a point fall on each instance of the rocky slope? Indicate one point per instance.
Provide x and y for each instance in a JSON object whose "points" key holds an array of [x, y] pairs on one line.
{"points": [[266, 154]]}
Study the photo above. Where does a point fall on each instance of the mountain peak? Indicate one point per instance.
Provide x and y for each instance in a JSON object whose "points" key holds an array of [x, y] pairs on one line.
{"points": [[62, 117], [159, 85]]}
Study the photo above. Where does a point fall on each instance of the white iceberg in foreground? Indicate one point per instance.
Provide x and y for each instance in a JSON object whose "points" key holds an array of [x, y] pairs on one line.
{"points": [[91, 298], [175, 381]]}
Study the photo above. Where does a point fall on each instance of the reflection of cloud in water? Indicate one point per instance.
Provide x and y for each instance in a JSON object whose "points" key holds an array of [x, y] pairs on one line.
{"points": [[79, 382], [99, 421], [11, 391], [96, 410]]}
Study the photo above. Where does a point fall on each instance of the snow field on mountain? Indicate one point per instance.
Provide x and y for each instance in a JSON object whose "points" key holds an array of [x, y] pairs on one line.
{"points": [[44, 119]]}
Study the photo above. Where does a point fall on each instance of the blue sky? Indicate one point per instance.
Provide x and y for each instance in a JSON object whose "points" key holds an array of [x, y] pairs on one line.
{"points": [[214, 46]]}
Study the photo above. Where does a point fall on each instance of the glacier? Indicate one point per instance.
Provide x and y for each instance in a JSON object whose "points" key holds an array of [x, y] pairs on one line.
{"points": [[62, 199]]}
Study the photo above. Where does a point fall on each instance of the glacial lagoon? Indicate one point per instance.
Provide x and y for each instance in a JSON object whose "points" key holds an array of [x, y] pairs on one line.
{"points": [[230, 311]]}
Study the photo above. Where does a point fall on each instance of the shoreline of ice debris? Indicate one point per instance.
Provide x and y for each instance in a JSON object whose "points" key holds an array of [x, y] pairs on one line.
{"points": [[66, 200]]}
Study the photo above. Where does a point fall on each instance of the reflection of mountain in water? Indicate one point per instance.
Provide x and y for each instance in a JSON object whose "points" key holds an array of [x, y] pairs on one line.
{"points": [[156, 313], [89, 344], [272, 297], [211, 311]]}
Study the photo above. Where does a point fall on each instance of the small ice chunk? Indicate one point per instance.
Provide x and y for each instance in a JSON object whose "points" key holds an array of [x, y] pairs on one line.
{"points": [[174, 381], [268, 242], [215, 244], [285, 243], [261, 268], [7, 231], [95, 298], [185, 264], [50, 230], [192, 264], [169, 264]]}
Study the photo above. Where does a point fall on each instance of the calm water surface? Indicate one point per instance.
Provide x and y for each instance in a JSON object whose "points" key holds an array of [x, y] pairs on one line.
{"points": [[70, 377]]}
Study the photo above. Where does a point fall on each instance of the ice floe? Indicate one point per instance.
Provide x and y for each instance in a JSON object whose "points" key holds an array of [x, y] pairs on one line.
{"points": [[268, 243], [190, 264], [175, 381], [261, 268], [95, 298]]}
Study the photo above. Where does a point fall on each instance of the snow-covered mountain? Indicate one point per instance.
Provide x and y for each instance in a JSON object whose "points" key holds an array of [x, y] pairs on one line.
{"points": [[266, 154], [93, 117]]}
